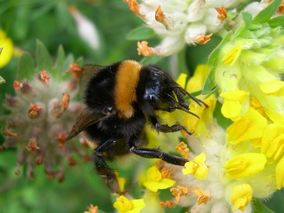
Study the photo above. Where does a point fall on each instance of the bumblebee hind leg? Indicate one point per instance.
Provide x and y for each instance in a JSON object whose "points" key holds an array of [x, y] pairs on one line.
{"points": [[155, 153], [103, 169]]}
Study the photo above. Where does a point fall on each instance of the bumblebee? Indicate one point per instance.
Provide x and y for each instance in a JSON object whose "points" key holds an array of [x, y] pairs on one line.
{"points": [[120, 99]]}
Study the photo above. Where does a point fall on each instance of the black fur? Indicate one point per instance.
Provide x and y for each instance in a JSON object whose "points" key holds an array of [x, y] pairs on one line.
{"points": [[156, 90]]}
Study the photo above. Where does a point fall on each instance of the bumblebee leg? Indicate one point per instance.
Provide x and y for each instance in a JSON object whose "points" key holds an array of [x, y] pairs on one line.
{"points": [[103, 169], [166, 128], [155, 153]]}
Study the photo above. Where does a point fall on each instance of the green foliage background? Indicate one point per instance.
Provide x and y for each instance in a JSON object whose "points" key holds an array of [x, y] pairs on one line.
{"points": [[49, 21]]}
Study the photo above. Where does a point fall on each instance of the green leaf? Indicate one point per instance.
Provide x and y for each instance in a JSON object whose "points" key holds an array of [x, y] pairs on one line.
{"points": [[69, 60], [80, 61], [59, 62], [26, 67], [151, 60], [43, 58], [140, 33], [265, 14], [247, 17], [2, 80], [212, 62], [259, 207], [277, 22]]}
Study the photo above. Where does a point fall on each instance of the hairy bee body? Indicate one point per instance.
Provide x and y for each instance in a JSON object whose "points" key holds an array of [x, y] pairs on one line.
{"points": [[121, 99]]}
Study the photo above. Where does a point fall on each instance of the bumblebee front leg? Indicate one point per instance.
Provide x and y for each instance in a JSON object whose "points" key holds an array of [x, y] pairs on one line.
{"points": [[103, 169], [166, 128], [155, 153]]}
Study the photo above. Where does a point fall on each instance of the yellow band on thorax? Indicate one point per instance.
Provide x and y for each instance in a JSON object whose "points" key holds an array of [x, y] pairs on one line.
{"points": [[126, 81]]}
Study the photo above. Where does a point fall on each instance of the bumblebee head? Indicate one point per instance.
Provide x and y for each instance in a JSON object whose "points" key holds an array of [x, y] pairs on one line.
{"points": [[156, 89]]}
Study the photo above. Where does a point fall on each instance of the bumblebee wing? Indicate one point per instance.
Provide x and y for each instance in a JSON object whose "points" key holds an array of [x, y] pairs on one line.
{"points": [[86, 118]]}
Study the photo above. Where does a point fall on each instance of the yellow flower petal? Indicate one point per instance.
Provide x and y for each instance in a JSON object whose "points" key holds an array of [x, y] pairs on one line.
{"points": [[182, 80], [244, 165], [197, 167], [124, 205], [196, 82], [7, 49], [155, 186], [272, 143], [232, 54], [274, 87], [233, 101], [199, 125], [241, 196], [154, 174], [154, 180], [248, 127], [279, 173]]}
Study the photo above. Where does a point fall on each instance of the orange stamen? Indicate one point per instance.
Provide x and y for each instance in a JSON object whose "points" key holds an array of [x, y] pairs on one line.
{"points": [[281, 8], [34, 111], [92, 209], [166, 172], [168, 204], [17, 85], [75, 70], [65, 101], [179, 191], [222, 13], [160, 17], [203, 39], [133, 6], [61, 138], [201, 196], [144, 49], [183, 150], [32, 145], [44, 77]]}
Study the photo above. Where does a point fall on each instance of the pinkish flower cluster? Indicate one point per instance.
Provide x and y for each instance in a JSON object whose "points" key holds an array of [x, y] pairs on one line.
{"points": [[42, 112]]}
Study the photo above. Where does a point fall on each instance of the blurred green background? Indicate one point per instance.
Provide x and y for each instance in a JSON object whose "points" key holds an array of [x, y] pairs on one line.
{"points": [[51, 22]]}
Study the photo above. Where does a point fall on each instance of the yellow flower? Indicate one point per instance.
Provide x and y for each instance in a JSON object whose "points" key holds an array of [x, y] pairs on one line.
{"points": [[181, 80], [273, 87], [244, 165], [241, 196], [279, 173], [205, 114], [197, 167], [248, 127], [125, 205], [233, 103], [196, 125], [232, 53], [154, 180], [7, 48], [197, 81], [272, 143]]}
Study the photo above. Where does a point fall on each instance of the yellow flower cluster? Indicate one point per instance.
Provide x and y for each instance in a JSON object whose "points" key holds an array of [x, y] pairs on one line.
{"points": [[249, 77]]}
